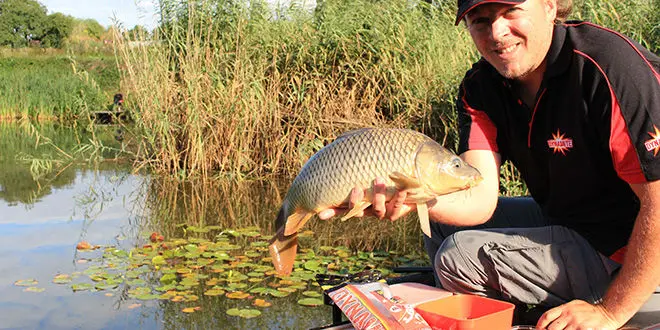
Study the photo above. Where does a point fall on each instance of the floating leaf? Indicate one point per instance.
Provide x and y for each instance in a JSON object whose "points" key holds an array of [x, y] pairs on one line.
{"points": [[214, 292], [82, 245], [158, 260], [261, 303], [81, 287], [311, 302], [28, 282], [133, 306], [238, 295], [244, 313], [34, 289], [191, 309]]}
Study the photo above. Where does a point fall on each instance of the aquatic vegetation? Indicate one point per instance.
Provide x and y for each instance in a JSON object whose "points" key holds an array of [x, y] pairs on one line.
{"points": [[213, 263]]}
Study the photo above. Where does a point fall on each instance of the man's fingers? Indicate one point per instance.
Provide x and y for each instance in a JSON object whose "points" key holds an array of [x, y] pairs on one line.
{"points": [[379, 198], [327, 214], [548, 317], [397, 206], [357, 195]]}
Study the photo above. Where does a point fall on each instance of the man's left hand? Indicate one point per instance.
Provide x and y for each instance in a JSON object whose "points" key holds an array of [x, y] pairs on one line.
{"points": [[577, 315]]}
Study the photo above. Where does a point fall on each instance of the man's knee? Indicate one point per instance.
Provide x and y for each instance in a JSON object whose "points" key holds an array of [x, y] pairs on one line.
{"points": [[453, 261]]}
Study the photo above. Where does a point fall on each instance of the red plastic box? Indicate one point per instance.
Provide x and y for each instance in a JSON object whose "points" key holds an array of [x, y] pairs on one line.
{"points": [[467, 312]]}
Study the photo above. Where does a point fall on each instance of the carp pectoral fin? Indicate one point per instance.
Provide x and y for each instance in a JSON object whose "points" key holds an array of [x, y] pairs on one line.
{"points": [[355, 210], [283, 251], [403, 181], [295, 221], [423, 214]]}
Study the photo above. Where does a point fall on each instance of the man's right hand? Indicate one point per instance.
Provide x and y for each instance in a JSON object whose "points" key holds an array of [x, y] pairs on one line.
{"points": [[380, 207]]}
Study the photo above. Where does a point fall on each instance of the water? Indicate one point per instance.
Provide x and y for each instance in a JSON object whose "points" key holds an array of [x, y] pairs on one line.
{"points": [[48, 204], [42, 219]]}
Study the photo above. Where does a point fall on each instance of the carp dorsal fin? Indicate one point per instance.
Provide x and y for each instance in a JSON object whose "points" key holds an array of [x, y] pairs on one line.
{"points": [[295, 221], [403, 181], [355, 210], [423, 214]]}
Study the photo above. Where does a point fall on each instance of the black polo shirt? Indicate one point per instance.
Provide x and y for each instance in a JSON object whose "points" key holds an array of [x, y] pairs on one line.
{"points": [[594, 130]]}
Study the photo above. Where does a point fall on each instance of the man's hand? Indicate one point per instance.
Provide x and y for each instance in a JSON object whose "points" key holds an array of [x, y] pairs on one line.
{"points": [[577, 315], [380, 207]]}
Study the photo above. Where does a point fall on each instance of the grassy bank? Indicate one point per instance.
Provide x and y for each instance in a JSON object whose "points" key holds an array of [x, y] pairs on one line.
{"points": [[49, 84], [245, 91]]}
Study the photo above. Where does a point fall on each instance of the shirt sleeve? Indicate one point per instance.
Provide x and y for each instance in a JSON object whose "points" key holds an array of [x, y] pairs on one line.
{"points": [[476, 130], [634, 91]]}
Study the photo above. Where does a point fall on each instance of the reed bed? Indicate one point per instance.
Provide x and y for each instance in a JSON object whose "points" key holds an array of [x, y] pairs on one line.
{"points": [[238, 89], [243, 91]]}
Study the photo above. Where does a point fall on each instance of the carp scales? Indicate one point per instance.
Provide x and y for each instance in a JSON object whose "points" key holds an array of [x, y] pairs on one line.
{"points": [[406, 159]]}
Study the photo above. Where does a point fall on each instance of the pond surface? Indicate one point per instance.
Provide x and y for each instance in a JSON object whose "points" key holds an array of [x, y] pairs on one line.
{"points": [[48, 206]]}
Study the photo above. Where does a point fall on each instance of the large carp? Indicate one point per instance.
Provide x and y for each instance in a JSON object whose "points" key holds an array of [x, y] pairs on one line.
{"points": [[406, 159]]}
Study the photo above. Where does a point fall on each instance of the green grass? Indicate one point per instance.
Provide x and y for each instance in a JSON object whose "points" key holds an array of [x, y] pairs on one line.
{"points": [[55, 86]]}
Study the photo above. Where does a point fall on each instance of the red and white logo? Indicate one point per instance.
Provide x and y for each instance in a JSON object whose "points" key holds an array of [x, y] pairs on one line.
{"points": [[559, 143], [654, 142]]}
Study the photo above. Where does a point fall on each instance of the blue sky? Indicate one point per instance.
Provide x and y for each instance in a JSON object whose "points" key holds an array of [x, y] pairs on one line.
{"points": [[128, 12]]}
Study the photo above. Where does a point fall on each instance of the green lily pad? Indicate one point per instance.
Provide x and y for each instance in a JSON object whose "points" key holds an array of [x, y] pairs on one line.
{"points": [[81, 287], [214, 292], [244, 313], [311, 302], [62, 279]]}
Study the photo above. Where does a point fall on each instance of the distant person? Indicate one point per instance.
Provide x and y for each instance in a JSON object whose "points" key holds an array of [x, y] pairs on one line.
{"points": [[576, 108]]}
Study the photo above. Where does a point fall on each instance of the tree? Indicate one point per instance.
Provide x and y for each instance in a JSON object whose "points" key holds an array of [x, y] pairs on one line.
{"points": [[21, 21], [93, 28], [58, 28], [137, 33]]}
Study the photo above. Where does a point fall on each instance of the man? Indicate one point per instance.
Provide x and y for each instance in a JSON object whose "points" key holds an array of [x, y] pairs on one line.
{"points": [[576, 108]]}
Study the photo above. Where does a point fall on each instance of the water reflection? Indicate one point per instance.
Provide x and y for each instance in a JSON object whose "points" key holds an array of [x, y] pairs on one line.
{"points": [[43, 217]]}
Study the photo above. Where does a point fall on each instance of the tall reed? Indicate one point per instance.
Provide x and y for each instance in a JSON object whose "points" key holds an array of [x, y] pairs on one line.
{"points": [[240, 89], [235, 88]]}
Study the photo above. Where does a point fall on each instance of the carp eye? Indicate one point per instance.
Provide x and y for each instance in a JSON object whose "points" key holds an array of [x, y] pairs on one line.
{"points": [[456, 163]]}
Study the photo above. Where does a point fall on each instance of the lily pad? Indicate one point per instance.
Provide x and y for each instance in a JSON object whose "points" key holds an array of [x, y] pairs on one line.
{"points": [[27, 282], [238, 295], [214, 292], [244, 313], [261, 303], [62, 279], [34, 289], [310, 302]]}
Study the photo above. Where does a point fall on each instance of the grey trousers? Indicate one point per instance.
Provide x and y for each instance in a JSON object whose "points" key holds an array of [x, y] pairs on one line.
{"points": [[519, 257]]}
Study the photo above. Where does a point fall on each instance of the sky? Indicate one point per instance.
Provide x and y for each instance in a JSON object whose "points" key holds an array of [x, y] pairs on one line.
{"points": [[128, 12]]}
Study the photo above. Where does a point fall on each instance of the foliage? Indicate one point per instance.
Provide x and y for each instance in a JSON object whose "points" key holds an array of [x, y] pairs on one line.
{"points": [[21, 21], [55, 86], [58, 28], [638, 19], [235, 88]]}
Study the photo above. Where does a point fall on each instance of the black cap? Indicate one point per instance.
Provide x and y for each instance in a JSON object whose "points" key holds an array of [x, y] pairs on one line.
{"points": [[464, 6]]}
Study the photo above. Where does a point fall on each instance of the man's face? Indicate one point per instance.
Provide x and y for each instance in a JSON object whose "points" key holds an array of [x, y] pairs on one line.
{"points": [[513, 38]]}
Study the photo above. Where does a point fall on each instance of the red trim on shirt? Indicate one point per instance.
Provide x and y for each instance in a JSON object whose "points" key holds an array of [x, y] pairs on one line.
{"points": [[657, 74], [531, 121], [483, 133], [619, 255], [624, 155]]}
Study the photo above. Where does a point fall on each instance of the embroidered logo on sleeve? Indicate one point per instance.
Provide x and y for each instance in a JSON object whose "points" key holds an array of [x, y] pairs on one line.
{"points": [[559, 143], [654, 142]]}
